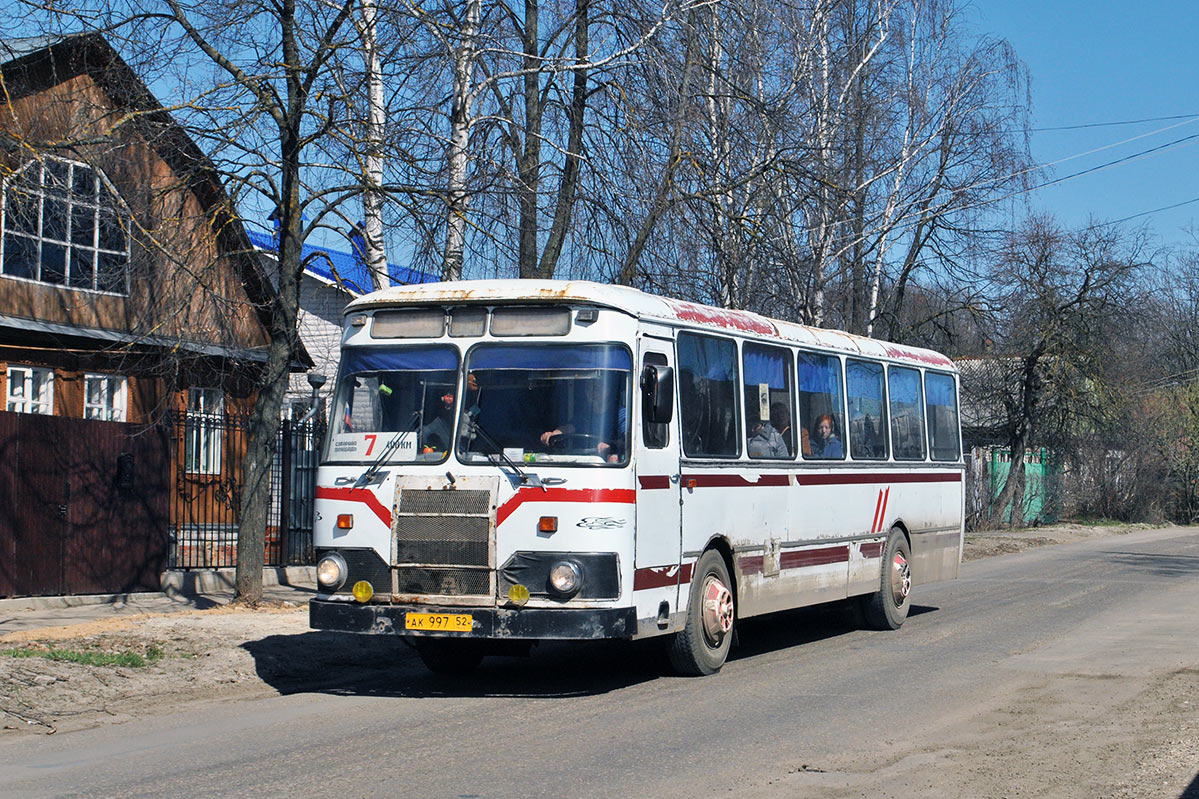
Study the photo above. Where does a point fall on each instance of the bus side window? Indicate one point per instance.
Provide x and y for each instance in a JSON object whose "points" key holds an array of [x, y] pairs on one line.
{"points": [[708, 396], [867, 410], [907, 413], [768, 401], [822, 431], [940, 397], [655, 435]]}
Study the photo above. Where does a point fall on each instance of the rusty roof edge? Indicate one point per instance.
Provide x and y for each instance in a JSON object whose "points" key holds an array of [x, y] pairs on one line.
{"points": [[651, 306]]}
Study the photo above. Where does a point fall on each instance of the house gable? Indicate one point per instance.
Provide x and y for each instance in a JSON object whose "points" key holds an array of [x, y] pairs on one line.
{"points": [[194, 284]]}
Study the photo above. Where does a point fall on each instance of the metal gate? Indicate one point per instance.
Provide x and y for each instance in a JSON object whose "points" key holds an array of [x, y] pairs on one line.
{"points": [[84, 506], [205, 494]]}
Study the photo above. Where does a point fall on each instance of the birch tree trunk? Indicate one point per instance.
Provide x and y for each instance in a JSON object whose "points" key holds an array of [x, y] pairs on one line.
{"points": [[374, 253], [461, 101]]}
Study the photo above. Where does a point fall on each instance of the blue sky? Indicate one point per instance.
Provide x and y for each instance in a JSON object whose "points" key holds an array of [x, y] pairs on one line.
{"points": [[1098, 62]]}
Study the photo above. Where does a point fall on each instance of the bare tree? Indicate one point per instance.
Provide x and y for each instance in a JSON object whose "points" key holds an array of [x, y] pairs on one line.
{"points": [[255, 88], [1054, 291]]}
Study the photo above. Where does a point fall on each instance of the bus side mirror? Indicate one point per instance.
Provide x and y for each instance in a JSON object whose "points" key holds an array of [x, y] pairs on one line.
{"points": [[657, 393]]}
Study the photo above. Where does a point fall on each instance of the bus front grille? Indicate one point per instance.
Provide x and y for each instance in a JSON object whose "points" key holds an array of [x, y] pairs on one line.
{"points": [[442, 581], [443, 542]]}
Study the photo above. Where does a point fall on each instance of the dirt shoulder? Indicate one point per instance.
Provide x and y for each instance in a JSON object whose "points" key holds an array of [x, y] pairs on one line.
{"points": [[230, 653], [986, 543]]}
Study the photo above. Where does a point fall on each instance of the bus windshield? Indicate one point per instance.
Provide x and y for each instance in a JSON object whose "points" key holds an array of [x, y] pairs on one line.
{"points": [[396, 400], [547, 403]]}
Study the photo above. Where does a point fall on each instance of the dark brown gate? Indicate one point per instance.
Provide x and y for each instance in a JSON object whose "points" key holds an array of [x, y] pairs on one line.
{"points": [[83, 506]]}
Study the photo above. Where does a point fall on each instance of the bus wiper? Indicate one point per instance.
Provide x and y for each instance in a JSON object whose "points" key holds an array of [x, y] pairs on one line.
{"points": [[521, 477], [365, 478]]}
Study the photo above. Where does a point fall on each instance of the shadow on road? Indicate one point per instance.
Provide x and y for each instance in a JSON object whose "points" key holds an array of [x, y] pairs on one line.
{"points": [[1162, 565], [777, 631], [383, 665]]}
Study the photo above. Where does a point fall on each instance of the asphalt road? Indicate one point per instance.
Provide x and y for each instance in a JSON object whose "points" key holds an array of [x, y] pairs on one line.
{"points": [[807, 705]]}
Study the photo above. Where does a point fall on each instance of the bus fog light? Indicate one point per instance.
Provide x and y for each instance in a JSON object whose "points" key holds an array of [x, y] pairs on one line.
{"points": [[566, 577], [363, 591], [331, 571], [518, 595]]}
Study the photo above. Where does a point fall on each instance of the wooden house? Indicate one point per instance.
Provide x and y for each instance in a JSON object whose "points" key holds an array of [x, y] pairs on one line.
{"points": [[130, 295]]}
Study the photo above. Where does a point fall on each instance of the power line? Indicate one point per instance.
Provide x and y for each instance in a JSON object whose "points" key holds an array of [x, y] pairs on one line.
{"points": [[1147, 213], [1107, 164], [1112, 124]]}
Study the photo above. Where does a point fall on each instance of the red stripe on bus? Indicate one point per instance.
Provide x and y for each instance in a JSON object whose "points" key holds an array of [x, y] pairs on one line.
{"points": [[882, 517], [872, 550], [734, 481], [363, 495], [750, 564], [813, 557], [653, 481], [626, 496], [661, 576], [876, 477], [878, 504]]}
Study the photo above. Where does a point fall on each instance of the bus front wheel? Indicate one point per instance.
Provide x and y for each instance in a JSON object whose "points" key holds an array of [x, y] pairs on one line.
{"points": [[703, 644], [887, 608]]}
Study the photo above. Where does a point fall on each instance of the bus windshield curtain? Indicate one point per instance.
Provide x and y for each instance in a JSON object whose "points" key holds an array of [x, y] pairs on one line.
{"points": [[509, 356], [405, 359]]}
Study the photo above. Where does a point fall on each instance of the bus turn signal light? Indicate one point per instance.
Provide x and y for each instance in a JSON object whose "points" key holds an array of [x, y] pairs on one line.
{"points": [[345, 521], [547, 524]]}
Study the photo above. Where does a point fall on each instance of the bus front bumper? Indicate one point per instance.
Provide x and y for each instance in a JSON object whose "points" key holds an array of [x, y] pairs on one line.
{"points": [[496, 623]]}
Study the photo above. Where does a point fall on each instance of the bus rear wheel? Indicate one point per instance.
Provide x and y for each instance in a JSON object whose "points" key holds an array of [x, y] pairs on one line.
{"points": [[887, 608], [704, 642], [449, 655]]}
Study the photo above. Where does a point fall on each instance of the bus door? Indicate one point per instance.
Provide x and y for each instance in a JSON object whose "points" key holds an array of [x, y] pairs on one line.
{"points": [[659, 530]]}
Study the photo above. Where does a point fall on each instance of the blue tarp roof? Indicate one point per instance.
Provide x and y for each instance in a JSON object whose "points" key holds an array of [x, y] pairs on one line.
{"points": [[344, 267]]}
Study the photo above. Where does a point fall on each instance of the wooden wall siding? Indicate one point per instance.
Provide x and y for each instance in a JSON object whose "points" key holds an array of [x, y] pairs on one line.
{"points": [[182, 284]]}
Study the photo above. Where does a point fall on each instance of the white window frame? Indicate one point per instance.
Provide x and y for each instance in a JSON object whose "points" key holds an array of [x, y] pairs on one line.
{"points": [[114, 392], [101, 201], [30, 389], [204, 430]]}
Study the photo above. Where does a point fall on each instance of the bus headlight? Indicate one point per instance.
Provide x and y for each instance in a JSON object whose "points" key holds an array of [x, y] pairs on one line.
{"points": [[566, 578], [331, 571]]}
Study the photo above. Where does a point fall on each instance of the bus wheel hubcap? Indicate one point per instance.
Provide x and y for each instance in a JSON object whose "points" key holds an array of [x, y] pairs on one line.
{"points": [[901, 578], [717, 610]]}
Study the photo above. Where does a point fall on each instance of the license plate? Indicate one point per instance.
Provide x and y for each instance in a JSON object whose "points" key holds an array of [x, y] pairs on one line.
{"points": [[439, 622]]}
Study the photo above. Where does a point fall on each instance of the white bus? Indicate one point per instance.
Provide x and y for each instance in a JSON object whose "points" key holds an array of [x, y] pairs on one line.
{"points": [[513, 461]]}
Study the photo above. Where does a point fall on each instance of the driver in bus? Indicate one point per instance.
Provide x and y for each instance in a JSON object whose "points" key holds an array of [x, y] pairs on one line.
{"points": [[590, 419]]}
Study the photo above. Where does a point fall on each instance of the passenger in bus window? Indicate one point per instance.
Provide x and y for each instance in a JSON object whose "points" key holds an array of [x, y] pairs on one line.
{"points": [[435, 434], [824, 441], [766, 442], [780, 417]]}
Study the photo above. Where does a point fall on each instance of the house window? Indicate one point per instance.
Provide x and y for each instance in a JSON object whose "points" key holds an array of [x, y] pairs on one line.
{"points": [[63, 225], [204, 425], [105, 398], [30, 390]]}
